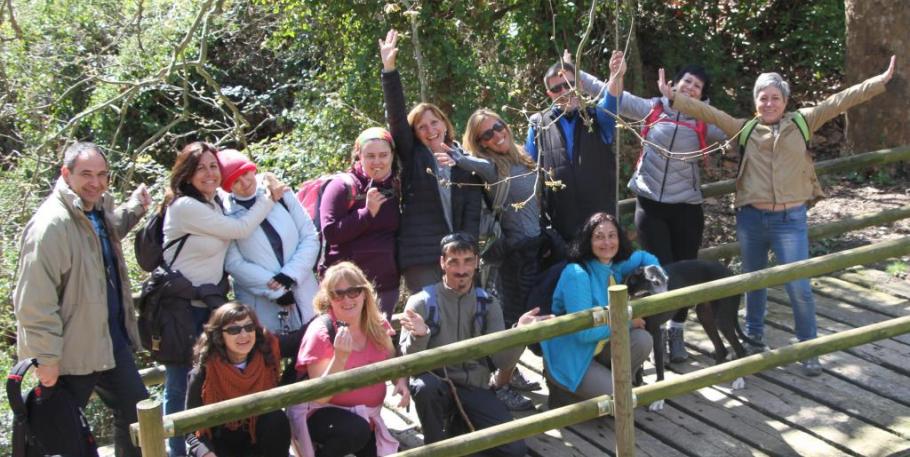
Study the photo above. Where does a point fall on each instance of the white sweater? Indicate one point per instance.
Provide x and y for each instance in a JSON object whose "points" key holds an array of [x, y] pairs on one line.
{"points": [[202, 258]]}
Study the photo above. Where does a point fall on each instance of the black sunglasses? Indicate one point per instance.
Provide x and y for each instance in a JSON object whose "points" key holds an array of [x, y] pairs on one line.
{"points": [[236, 329], [559, 88], [350, 292], [488, 134]]}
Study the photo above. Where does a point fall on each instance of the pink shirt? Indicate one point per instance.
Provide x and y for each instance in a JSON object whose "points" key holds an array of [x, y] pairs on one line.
{"points": [[316, 346]]}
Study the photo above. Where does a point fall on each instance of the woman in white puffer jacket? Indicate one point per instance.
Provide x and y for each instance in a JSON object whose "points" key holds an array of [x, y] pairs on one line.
{"points": [[280, 288]]}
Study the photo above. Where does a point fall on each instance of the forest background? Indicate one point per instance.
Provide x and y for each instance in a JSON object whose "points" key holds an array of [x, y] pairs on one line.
{"points": [[292, 82]]}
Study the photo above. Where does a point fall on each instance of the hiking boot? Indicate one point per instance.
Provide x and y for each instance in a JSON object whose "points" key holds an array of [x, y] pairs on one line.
{"points": [[677, 345], [519, 382], [513, 400], [756, 346], [812, 367]]}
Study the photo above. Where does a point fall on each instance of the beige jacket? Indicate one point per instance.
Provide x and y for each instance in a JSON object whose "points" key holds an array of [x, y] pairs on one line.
{"points": [[780, 169], [61, 294]]}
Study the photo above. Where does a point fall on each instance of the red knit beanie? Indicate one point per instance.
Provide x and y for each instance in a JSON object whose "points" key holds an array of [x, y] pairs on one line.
{"points": [[233, 164]]}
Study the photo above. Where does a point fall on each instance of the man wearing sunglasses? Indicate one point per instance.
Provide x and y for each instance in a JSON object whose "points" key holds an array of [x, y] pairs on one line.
{"points": [[447, 312], [72, 300], [573, 144]]}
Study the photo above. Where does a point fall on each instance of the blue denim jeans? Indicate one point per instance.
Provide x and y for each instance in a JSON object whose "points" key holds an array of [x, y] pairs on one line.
{"points": [[175, 378], [786, 234]]}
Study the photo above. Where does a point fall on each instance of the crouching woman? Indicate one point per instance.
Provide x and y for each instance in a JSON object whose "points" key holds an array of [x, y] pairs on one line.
{"points": [[349, 332], [236, 356], [579, 363]]}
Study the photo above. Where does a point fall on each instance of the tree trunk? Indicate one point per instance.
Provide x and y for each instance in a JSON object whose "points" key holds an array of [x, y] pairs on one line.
{"points": [[876, 30]]}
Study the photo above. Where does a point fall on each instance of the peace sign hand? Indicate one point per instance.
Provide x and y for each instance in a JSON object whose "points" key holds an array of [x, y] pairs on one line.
{"points": [[388, 50], [665, 88]]}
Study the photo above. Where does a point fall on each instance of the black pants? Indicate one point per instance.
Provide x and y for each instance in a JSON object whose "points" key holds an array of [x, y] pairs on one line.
{"points": [[120, 388], [519, 269], [440, 419], [273, 438], [670, 231], [336, 432]]}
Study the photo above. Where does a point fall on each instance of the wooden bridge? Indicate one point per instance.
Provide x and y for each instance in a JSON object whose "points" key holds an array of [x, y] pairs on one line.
{"points": [[859, 406]]}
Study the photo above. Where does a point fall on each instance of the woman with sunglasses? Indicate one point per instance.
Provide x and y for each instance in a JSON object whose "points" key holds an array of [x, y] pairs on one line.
{"points": [[362, 229], [433, 204], [196, 237], [348, 422], [236, 356]]}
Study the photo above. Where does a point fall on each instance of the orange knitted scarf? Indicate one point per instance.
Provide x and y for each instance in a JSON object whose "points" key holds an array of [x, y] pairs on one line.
{"points": [[224, 381]]}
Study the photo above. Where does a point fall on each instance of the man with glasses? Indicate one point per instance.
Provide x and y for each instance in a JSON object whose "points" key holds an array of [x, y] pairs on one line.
{"points": [[447, 312], [573, 144], [73, 300]]}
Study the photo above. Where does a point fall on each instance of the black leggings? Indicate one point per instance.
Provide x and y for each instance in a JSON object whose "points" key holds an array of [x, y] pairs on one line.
{"points": [[670, 231], [519, 270], [339, 432], [273, 438]]}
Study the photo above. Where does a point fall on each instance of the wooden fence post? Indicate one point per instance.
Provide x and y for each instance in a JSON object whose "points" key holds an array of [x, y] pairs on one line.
{"points": [[621, 362], [151, 428]]}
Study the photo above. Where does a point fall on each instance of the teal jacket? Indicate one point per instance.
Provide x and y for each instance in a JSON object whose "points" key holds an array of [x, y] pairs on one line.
{"points": [[580, 287]]}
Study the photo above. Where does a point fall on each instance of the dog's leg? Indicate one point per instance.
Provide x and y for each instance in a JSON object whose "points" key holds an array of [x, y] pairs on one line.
{"points": [[705, 313], [726, 312], [652, 325]]}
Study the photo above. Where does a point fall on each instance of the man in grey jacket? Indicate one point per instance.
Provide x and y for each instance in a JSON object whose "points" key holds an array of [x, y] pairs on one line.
{"points": [[72, 300], [450, 311]]}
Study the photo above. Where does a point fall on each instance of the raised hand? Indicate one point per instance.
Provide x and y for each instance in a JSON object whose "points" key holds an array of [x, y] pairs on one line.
{"points": [[141, 194], [413, 323], [886, 76], [665, 88], [275, 186], [567, 56], [444, 159], [375, 199], [388, 50], [344, 343], [617, 65]]}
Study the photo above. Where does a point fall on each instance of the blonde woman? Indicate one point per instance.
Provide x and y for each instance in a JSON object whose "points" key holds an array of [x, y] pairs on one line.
{"points": [[348, 422]]}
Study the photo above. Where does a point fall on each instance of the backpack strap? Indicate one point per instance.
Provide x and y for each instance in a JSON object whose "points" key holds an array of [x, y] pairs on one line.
{"points": [[480, 311], [432, 307], [179, 242], [803, 126]]}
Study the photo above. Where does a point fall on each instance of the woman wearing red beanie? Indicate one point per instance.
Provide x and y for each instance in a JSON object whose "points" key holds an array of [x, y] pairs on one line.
{"points": [[272, 268], [360, 216]]}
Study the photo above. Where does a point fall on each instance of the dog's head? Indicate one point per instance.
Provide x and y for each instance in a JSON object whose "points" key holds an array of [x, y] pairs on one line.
{"points": [[646, 280]]}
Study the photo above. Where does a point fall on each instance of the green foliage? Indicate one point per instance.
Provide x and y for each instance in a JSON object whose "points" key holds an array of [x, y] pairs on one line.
{"points": [[898, 268]]}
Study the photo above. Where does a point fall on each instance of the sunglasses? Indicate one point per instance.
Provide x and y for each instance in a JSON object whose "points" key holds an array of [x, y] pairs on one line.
{"points": [[235, 330], [559, 88], [488, 134], [350, 292]]}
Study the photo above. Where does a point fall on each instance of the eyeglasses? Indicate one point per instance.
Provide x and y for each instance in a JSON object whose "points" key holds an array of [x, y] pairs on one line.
{"points": [[488, 134], [235, 330], [559, 88], [350, 292]]}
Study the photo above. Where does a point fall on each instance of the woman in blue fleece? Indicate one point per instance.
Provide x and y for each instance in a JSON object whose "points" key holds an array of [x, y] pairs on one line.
{"points": [[600, 255]]}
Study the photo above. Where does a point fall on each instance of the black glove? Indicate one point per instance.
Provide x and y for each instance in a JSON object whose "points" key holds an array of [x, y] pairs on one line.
{"points": [[287, 299], [284, 280]]}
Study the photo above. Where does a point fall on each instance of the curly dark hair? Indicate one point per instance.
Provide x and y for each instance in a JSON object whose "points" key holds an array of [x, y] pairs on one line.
{"points": [[580, 251], [212, 340]]}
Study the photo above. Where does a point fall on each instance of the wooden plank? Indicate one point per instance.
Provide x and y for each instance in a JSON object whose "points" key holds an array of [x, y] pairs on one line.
{"points": [[768, 433], [884, 353], [600, 432], [861, 296], [830, 306], [810, 406], [876, 279]]}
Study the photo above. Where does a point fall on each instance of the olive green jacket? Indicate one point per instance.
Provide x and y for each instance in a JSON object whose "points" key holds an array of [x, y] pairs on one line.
{"points": [[60, 299]]}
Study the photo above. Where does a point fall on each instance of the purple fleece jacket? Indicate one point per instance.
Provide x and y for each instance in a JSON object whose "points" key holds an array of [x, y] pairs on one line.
{"points": [[351, 233]]}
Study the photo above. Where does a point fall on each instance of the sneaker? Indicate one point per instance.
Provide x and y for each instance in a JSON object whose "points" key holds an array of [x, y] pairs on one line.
{"points": [[513, 400], [812, 367], [677, 345], [756, 345], [519, 382]]}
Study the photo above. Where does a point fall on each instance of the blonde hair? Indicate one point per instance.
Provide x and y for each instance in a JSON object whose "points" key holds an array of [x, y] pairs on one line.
{"points": [[417, 112], [503, 162], [371, 319]]}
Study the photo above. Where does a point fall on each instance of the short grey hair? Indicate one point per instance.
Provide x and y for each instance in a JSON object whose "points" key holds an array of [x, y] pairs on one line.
{"points": [[765, 80], [72, 153]]}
